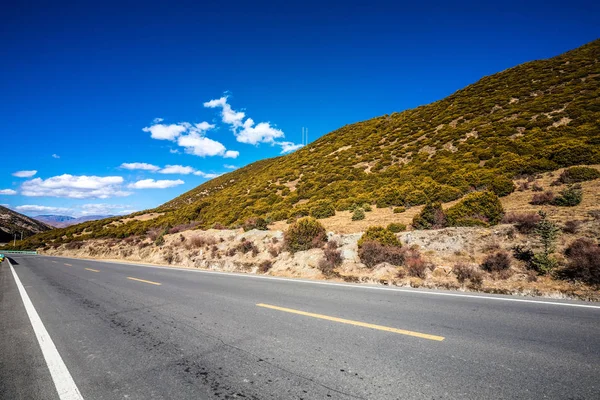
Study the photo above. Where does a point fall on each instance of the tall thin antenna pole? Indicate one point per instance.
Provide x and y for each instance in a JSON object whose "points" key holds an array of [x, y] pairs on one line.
{"points": [[306, 135]]}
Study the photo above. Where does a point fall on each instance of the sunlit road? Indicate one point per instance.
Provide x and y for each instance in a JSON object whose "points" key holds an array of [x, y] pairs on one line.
{"points": [[120, 331]]}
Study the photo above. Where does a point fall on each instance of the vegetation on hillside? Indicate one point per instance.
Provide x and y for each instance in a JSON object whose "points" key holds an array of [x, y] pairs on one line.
{"points": [[538, 116]]}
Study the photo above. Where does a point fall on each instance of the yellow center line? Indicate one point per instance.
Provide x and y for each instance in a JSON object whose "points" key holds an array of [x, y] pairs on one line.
{"points": [[143, 280], [356, 323], [93, 270], [68, 265]]}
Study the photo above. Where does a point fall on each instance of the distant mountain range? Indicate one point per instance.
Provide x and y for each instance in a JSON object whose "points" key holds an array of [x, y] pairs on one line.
{"points": [[12, 222], [62, 221]]}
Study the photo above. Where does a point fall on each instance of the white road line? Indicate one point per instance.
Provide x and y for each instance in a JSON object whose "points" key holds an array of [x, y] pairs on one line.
{"points": [[355, 286], [65, 385]]}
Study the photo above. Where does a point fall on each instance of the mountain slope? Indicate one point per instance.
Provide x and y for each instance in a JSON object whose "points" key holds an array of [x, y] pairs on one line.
{"points": [[538, 116], [11, 221]]}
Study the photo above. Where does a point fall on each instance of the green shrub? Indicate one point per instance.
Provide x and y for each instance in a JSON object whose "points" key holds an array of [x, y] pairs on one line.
{"points": [[399, 210], [322, 209], [482, 206], [501, 186], [396, 227], [579, 174], [547, 233], [431, 217], [358, 214], [568, 197], [380, 235], [304, 234]]}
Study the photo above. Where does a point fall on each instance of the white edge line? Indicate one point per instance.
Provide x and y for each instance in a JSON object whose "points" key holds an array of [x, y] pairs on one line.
{"points": [[63, 381], [357, 286]]}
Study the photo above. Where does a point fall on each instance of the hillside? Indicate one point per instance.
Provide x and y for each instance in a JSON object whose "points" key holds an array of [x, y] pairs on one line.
{"points": [[536, 117], [11, 221]]}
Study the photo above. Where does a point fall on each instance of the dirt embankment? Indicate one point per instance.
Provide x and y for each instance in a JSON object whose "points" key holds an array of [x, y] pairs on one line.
{"points": [[264, 252]]}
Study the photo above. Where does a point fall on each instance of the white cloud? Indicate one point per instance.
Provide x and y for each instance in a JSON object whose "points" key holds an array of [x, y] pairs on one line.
{"points": [[75, 187], [231, 154], [228, 115], [25, 174], [152, 184], [288, 147], [42, 209], [140, 166], [174, 151], [261, 133], [192, 137], [176, 169], [165, 132], [55, 156], [229, 166], [157, 120], [185, 170], [201, 146], [8, 192], [245, 131], [206, 175]]}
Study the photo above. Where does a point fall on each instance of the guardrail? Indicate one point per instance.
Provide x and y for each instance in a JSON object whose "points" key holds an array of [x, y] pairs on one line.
{"points": [[30, 252]]}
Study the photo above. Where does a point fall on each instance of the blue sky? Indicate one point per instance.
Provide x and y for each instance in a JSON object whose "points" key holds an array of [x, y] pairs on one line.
{"points": [[89, 89]]}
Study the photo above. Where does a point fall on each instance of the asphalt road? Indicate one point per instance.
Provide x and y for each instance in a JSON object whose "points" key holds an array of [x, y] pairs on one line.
{"points": [[186, 334]]}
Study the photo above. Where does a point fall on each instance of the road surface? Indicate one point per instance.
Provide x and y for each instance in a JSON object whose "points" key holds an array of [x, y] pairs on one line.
{"points": [[120, 331]]}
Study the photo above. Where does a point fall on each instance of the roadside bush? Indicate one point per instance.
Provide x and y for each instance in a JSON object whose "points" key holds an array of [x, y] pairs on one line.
{"points": [[399, 210], [372, 253], [466, 272], [246, 246], [568, 197], [332, 258], [571, 226], [431, 217], [540, 199], [305, 233], [265, 266], [578, 174], [198, 241], [477, 206], [380, 235], [537, 188], [322, 209], [358, 214], [415, 265], [524, 222], [255, 223], [583, 262], [524, 254], [496, 262], [75, 245]]}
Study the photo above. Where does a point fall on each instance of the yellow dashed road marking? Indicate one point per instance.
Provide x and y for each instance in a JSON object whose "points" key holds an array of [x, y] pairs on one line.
{"points": [[68, 265], [93, 270], [143, 280], [356, 323]]}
